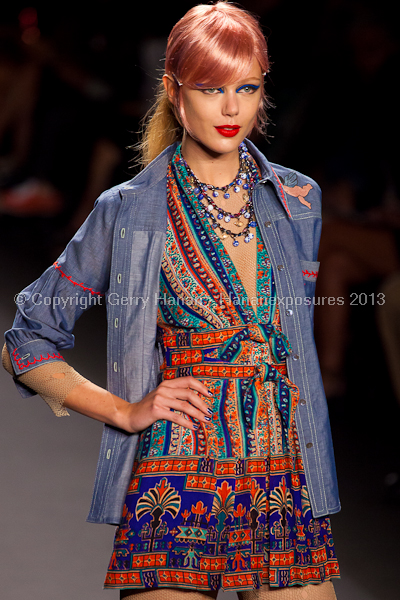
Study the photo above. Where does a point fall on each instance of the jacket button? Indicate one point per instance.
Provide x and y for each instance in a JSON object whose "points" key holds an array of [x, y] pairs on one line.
{"points": [[119, 277], [309, 445], [295, 357], [303, 402], [289, 312], [267, 223], [280, 267], [116, 367], [122, 233]]}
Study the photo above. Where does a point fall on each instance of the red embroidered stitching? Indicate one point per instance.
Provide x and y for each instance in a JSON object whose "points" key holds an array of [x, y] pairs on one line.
{"points": [[282, 193], [18, 359], [312, 274], [84, 288]]}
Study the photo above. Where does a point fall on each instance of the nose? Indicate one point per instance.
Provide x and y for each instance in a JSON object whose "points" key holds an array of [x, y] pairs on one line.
{"points": [[231, 104]]}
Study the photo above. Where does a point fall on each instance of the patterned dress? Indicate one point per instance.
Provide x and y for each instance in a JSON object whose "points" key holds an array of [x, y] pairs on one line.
{"points": [[226, 506]]}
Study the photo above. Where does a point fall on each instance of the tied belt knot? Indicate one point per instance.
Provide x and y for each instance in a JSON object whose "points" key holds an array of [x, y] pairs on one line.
{"points": [[222, 353]]}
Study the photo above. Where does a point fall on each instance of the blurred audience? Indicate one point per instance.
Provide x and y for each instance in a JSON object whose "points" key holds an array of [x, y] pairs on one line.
{"points": [[19, 82], [388, 318], [358, 174], [60, 126]]}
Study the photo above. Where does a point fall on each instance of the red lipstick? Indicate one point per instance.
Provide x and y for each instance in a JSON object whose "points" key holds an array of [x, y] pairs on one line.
{"points": [[228, 130]]}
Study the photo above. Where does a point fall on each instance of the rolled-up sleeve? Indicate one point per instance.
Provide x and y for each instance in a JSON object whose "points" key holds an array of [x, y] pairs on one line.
{"points": [[48, 308]]}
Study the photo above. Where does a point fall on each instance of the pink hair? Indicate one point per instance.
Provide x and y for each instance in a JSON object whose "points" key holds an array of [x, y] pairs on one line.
{"points": [[214, 45]]}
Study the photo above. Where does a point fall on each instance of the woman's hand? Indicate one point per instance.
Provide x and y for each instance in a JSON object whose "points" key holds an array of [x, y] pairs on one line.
{"points": [[171, 395]]}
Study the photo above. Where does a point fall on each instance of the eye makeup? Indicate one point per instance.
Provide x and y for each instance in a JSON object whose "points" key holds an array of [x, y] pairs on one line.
{"points": [[212, 90], [252, 87]]}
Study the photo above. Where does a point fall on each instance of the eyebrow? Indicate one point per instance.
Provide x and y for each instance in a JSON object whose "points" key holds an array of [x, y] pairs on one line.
{"points": [[240, 82], [254, 78]]}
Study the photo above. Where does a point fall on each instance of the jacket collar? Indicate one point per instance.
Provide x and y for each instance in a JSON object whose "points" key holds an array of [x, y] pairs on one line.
{"points": [[268, 174], [154, 172]]}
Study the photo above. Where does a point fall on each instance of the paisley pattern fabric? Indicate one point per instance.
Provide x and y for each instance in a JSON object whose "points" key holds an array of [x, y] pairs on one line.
{"points": [[226, 506]]}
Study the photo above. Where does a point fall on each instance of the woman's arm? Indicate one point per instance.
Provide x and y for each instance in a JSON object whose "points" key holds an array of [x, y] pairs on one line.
{"points": [[49, 307], [159, 404], [62, 387]]}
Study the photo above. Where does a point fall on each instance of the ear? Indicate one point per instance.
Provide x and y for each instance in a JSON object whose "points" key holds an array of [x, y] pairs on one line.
{"points": [[170, 88]]}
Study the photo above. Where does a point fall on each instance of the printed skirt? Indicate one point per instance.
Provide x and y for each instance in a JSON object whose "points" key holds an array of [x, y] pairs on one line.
{"points": [[226, 506]]}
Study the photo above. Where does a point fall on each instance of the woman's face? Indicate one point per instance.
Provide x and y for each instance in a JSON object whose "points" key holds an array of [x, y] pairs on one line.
{"points": [[220, 118]]}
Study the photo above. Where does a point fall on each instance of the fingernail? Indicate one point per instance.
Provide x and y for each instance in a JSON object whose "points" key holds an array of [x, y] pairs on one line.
{"points": [[210, 393], [207, 418], [210, 411], [195, 426]]}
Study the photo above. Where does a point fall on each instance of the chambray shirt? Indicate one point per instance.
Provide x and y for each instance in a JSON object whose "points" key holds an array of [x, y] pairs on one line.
{"points": [[117, 253]]}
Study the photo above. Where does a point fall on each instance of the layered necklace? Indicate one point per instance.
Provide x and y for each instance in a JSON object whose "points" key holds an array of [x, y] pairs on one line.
{"points": [[245, 179]]}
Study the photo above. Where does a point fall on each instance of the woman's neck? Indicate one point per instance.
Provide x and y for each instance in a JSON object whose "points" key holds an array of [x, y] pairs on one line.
{"points": [[208, 166]]}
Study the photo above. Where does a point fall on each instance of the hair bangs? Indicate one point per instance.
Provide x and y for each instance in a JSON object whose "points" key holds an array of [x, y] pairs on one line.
{"points": [[224, 60], [215, 45]]}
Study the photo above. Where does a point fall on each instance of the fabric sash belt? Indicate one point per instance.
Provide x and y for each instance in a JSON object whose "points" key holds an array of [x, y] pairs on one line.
{"points": [[224, 354]]}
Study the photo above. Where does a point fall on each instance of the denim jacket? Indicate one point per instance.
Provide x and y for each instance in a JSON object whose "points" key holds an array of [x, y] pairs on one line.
{"points": [[116, 256]]}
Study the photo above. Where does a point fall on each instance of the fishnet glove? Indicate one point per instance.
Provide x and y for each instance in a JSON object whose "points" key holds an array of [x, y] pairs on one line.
{"points": [[52, 381]]}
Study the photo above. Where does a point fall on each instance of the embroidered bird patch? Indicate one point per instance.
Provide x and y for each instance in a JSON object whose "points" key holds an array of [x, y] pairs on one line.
{"points": [[291, 187]]}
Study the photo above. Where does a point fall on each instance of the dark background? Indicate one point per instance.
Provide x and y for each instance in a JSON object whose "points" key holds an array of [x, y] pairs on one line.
{"points": [[82, 75]]}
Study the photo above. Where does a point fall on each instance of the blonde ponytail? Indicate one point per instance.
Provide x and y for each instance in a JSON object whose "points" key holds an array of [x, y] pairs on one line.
{"points": [[160, 128]]}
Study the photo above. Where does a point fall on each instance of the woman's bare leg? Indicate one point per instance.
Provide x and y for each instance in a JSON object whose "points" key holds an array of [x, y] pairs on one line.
{"points": [[167, 594], [322, 591]]}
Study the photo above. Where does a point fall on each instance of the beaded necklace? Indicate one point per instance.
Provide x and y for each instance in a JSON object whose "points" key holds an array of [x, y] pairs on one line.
{"points": [[246, 178]]}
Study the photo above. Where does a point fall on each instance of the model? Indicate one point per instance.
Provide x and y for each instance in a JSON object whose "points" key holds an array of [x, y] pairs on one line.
{"points": [[216, 460]]}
